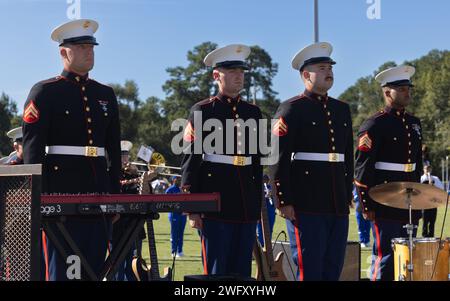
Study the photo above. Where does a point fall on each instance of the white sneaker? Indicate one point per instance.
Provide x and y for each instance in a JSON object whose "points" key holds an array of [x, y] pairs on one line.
{"points": [[363, 245], [181, 254]]}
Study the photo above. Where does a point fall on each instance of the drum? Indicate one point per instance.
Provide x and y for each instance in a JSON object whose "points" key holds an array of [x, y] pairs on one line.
{"points": [[425, 251]]}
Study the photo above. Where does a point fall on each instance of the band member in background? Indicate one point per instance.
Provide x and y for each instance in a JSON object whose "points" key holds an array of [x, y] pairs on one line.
{"points": [[70, 122], [270, 206], [177, 222], [389, 150], [429, 215], [364, 226], [16, 157], [235, 172], [313, 177], [129, 184], [425, 155]]}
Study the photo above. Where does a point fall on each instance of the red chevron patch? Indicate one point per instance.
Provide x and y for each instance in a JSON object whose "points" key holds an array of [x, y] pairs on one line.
{"points": [[31, 113], [280, 128], [189, 133], [365, 143]]}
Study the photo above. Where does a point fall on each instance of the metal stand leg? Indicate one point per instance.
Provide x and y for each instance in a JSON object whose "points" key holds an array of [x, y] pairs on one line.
{"points": [[115, 258], [121, 249], [410, 230], [71, 244]]}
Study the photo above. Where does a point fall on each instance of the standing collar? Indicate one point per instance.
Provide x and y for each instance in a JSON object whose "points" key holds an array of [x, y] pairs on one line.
{"points": [[75, 77], [395, 112], [318, 97], [229, 100]]}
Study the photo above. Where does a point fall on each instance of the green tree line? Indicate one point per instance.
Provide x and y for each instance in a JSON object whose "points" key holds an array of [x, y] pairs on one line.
{"points": [[148, 121]]}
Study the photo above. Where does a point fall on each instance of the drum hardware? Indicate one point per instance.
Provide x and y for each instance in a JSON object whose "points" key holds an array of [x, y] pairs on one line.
{"points": [[442, 232], [401, 277], [418, 196], [430, 258], [410, 230]]}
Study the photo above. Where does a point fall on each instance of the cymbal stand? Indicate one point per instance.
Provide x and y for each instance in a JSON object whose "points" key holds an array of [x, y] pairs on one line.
{"points": [[410, 230]]}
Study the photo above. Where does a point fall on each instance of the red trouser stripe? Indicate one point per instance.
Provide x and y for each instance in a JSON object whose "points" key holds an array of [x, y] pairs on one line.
{"points": [[205, 267], [380, 254], [44, 247], [299, 252]]}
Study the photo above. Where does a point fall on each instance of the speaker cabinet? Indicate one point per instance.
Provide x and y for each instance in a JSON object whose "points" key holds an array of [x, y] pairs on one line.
{"points": [[352, 262]]}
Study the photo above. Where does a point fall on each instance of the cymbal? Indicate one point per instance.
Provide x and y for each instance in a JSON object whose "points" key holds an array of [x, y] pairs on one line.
{"points": [[394, 194]]}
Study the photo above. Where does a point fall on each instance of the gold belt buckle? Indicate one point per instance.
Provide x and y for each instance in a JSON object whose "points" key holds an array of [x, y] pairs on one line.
{"points": [[91, 151], [409, 167], [333, 157], [239, 161]]}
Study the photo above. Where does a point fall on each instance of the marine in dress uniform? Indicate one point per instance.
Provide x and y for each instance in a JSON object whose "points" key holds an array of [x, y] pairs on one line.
{"points": [[16, 157], [129, 185], [70, 125], [234, 170], [313, 176], [389, 150]]}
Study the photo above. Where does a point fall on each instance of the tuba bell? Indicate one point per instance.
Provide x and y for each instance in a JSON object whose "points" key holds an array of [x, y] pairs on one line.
{"points": [[157, 164]]}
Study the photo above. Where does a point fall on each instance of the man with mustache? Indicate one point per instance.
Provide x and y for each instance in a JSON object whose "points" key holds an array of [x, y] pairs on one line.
{"points": [[233, 170], [70, 125], [389, 150], [314, 173]]}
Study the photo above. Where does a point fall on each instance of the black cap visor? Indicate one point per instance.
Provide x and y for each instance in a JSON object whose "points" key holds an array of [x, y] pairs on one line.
{"points": [[317, 60], [398, 83], [232, 64], [80, 40]]}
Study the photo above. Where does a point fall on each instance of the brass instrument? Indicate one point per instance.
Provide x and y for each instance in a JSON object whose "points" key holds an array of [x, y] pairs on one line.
{"points": [[157, 164]]}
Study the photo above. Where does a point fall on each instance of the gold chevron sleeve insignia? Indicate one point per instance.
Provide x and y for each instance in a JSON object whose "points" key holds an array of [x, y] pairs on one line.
{"points": [[31, 113], [189, 133], [365, 143], [280, 128]]}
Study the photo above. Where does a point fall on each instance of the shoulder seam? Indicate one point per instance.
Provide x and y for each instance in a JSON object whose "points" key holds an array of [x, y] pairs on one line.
{"points": [[378, 114], [51, 80], [206, 101], [294, 99]]}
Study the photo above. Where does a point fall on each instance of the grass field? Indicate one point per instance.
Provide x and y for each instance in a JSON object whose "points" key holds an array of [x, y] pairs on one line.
{"points": [[191, 264]]}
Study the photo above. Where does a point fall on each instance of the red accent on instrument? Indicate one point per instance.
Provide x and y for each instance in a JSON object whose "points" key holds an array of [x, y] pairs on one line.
{"points": [[360, 184], [380, 254], [128, 198]]}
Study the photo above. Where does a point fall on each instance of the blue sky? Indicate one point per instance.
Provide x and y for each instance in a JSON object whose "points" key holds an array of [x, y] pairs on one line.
{"points": [[139, 39]]}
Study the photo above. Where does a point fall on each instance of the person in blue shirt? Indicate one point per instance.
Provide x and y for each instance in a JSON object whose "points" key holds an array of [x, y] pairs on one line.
{"points": [[270, 210], [177, 222], [364, 226]]}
